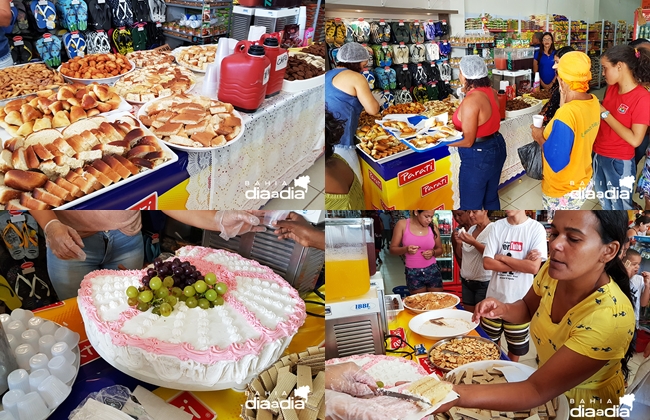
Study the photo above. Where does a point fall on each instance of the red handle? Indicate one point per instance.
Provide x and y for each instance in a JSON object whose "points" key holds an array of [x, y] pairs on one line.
{"points": [[242, 46], [276, 35]]}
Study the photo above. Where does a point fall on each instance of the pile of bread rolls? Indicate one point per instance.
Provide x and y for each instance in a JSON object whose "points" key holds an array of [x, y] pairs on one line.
{"points": [[50, 168], [49, 109]]}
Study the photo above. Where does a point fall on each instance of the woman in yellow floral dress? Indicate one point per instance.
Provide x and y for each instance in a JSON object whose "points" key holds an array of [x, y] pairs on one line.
{"points": [[582, 322]]}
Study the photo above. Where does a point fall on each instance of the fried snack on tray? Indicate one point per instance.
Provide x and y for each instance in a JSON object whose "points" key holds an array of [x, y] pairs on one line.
{"points": [[157, 81], [366, 119], [23, 80], [197, 57], [410, 108], [429, 301], [494, 376], [149, 58], [378, 143], [405, 129], [434, 108], [422, 142], [461, 351], [96, 66]]}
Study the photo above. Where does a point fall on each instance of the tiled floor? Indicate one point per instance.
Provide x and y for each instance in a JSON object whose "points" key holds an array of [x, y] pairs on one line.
{"points": [[315, 196]]}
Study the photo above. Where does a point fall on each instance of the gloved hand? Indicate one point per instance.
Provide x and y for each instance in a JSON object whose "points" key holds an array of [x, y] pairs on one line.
{"points": [[350, 379], [340, 406], [235, 222], [64, 241]]}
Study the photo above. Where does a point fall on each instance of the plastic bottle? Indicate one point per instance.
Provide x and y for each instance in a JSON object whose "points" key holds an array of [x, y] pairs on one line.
{"points": [[537, 82], [245, 77], [503, 100], [279, 58]]}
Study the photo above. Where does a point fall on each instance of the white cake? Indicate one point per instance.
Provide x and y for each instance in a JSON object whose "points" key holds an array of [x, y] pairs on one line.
{"points": [[193, 348]]}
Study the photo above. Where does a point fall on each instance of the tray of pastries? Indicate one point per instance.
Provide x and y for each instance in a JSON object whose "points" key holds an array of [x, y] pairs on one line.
{"points": [[191, 122], [148, 58], [61, 168], [196, 57], [48, 109], [23, 80], [100, 68], [156, 81], [451, 353], [380, 145]]}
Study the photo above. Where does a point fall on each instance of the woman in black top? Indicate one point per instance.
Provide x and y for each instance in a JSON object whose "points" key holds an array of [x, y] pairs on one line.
{"points": [[553, 104]]}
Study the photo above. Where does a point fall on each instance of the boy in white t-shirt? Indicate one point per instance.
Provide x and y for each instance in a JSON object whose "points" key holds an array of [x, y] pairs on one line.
{"points": [[515, 250], [639, 284]]}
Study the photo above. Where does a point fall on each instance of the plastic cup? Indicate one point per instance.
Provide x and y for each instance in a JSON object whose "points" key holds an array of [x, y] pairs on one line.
{"points": [[36, 377], [22, 315], [30, 337], [16, 328], [5, 319], [53, 391], [60, 368], [6, 415], [62, 349], [10, 401], [32, 407], [38, 361], [68, 336], [19, 379], [538, 121], [23, 353], [35, 322], [45, 344], [48, 328], [13, 342]]}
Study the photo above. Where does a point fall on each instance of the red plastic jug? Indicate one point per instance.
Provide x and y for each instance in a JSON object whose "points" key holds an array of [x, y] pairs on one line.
{"points": [[245, 77], [279, 58]]}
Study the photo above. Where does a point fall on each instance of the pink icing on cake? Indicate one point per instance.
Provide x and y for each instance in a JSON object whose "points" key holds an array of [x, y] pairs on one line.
{"points": [[185, 351]]}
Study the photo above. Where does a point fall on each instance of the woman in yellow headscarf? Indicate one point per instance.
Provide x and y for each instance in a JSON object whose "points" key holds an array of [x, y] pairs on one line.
{"points": [[568, 139]]}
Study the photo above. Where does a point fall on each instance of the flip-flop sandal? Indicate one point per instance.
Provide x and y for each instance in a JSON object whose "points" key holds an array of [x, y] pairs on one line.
{"points": [[382, 77], [75, 44], [8, 296], [157, 9], [388, 98], [432, 91], [33, 291], [12, 237], [141, 11], [330, 31], [139, 36], [349, 32], [370, 78], [44, 13], [339, 34], [30, 233], [81, 10], [392, 79], [387, 51], [55, 50], [420, 94]]}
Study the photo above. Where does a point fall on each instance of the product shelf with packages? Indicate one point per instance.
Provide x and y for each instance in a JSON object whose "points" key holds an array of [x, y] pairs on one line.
{"points": [[197, 22], [286, 355]]}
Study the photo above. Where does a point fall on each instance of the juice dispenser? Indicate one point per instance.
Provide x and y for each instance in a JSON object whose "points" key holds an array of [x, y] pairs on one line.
{"points": [[346, 259], [500, 59], [369, 228]]}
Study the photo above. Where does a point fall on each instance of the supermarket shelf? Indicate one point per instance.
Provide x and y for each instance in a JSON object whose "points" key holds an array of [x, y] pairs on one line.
{"points": [[192, 38], [197, 5]]}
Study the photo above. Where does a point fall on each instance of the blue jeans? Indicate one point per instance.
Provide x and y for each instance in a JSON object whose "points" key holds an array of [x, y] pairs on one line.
{"points": [[608, 174], [104, 250], [480, 173], [639, 152]]}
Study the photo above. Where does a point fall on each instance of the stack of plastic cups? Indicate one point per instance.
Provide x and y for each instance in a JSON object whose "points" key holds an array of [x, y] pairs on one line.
{"points": [[211, 80]]}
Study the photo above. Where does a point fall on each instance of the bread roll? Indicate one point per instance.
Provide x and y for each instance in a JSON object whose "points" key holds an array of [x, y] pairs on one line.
{"points": [[58, 191], [27, 200], [24, 180], [47, 197]]}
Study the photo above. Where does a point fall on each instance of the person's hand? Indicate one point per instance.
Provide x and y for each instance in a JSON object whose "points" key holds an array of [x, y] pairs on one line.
{"points": [[446, 407], [489, 308], [466, 237], [427, 254], [235, 222], [538, 134], [340, 406], [300, 230], [64, 242], [646, 278], [533, 255], [412, 249], [350, 379]]}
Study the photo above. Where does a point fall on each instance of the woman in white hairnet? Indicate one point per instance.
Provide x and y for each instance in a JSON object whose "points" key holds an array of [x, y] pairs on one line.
{"points": [[483, 149], [347, 94]]}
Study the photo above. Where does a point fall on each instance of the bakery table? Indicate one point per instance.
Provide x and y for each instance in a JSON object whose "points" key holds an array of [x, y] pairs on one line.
{"points": [[95, 373], [281, 141], [399, 326]]}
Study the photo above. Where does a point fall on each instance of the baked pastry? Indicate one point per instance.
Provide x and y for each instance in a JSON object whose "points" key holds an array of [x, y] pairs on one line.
{"points": [[192, 121], [197, 57], [96, 66], [155, 81], [221, 347], [148, 58]]}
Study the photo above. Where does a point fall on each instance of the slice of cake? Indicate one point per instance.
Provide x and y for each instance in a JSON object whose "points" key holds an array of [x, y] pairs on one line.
{"points": [[429, 389], [223, 346]]}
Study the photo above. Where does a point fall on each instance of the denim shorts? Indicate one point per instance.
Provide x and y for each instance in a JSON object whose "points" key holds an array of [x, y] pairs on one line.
{"points": [[608, 174], [104, 250], [420, 278]]}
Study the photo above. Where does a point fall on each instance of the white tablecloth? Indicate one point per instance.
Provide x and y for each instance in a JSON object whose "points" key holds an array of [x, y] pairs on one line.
{"points": [[282, 140]]}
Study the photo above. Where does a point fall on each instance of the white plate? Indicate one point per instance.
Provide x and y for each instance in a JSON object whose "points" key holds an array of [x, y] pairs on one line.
{"points": [[533, 109], [457, 322], [563, 404], [300, 85], [168, 153], [142, 103], [107, 81], [236, 113], [124, 107], [387, 158], [176, 52], [419, 311]]}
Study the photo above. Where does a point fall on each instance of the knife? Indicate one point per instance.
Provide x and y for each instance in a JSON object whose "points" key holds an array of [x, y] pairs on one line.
{"points": [[382, 391]]}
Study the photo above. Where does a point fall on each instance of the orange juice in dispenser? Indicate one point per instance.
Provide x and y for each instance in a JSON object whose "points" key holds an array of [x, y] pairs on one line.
{"points": [[346, 259]]}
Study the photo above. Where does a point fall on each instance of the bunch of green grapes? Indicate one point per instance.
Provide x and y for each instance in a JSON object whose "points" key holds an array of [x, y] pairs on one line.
{"points": [[162, 295]]}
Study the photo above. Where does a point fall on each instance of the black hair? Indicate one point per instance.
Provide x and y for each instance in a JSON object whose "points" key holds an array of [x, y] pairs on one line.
{"points": [[613, 228], [642, 219], [356, 67], [552, 42], [637, 60], [334, 129], [638, 42], [538, 35], [432, 225], [631, 253], [564, 50], [477, 83]]}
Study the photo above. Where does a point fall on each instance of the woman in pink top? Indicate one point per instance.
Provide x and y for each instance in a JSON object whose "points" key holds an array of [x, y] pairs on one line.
{"points": [[419, 240]]}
